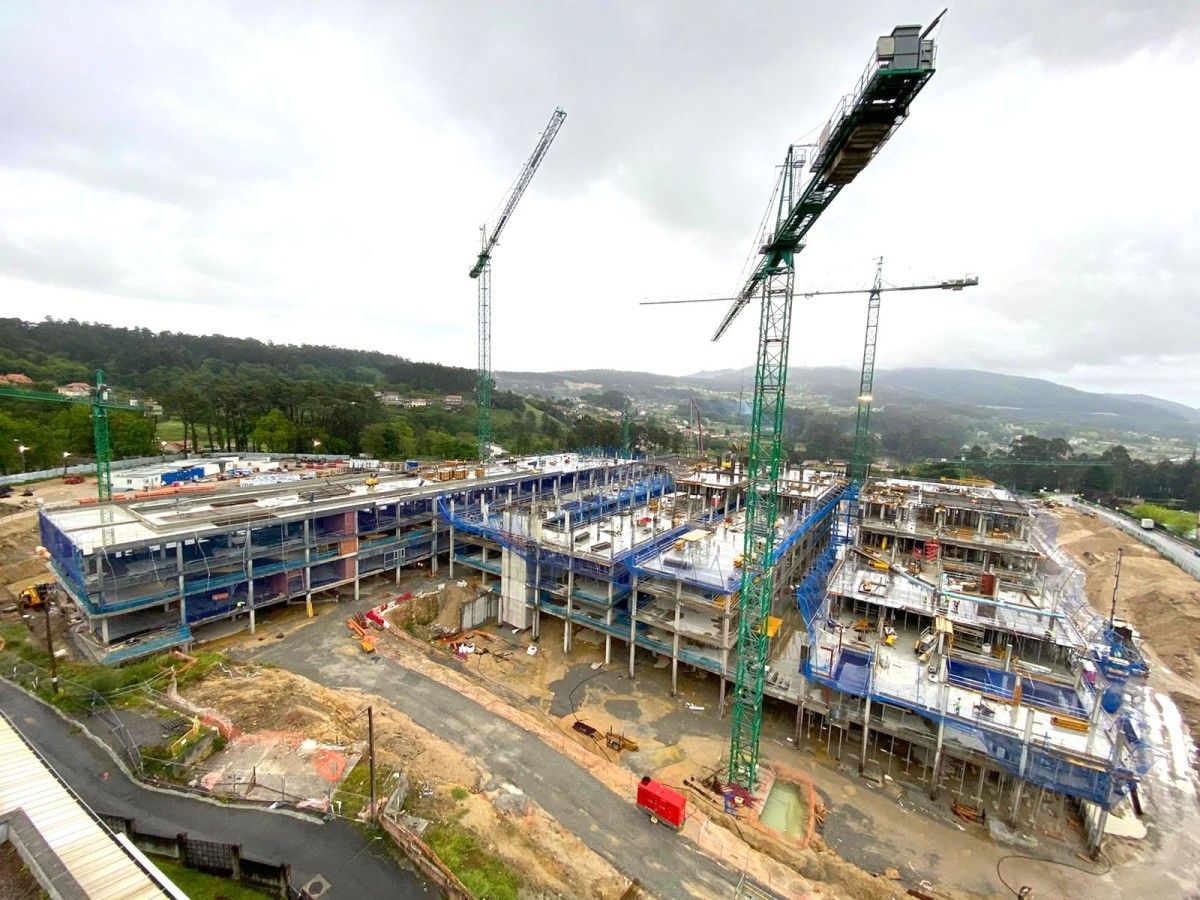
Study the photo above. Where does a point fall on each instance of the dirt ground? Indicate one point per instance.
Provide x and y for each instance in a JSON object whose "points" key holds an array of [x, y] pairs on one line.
{"points": [[267, 701], [1160, 599]]}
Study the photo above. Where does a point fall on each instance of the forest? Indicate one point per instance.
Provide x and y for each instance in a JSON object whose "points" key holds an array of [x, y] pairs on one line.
{"points": [[237, 394]]}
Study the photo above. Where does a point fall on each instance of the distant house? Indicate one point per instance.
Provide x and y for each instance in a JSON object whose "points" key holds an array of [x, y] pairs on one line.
{"points": [[16, 378], [389, 398], [418, 402], [75, 389], [453, 400]]}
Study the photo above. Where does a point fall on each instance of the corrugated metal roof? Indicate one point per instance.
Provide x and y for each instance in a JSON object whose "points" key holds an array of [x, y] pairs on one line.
{"points": [[90, 853]]}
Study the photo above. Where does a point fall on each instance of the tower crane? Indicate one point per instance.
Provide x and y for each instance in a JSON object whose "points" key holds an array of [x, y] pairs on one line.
{"points": [[100, 404], [698, 427], [482, 272], [861, 124], [860, 459]]}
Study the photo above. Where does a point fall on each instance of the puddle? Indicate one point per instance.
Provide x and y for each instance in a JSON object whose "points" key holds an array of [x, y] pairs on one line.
{"points": [[786, 809]]}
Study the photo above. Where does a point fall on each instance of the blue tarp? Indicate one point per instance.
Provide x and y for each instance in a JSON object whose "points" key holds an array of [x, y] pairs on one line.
{"points": [[851, 672], [981, 678], [1051, 696]]}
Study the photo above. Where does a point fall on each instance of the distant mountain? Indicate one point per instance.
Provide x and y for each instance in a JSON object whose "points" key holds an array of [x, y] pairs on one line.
{"points": [[965, 393]]}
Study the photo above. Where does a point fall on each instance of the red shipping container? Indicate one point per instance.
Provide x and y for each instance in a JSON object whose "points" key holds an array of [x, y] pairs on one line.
{"points": [[661, 802]]}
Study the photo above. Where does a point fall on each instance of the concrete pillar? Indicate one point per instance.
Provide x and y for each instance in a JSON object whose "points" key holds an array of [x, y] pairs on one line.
{"points": [[632, 622], [567, 631], [308, 604], [250, 580], [935, 773], [866, 727], [724, 656], [433, 543], [675, 640], [1020, 779], [179, 572], [1093, 723], [608, 615], [451, 538], [104, 631], [537, 594]]}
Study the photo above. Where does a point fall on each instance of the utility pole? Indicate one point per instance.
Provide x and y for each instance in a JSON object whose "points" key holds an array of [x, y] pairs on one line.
{"points": [[50, 644], [1112, 616], [371, 760]]}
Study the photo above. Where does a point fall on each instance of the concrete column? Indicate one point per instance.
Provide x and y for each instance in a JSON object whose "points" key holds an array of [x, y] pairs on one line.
{"points": [[724, 657], [433, 543], [179, 572], [451, 538], [632, 622], [608, 615], [567, 632], [250, 579], [308, 567], [1093, 723], [862, 763], [104, 631], [935, 772], [675, 640], [537, 594], [1020, 779]]}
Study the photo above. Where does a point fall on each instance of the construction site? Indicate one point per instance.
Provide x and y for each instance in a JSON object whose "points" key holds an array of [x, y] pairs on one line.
{"points": [[826, 680]]}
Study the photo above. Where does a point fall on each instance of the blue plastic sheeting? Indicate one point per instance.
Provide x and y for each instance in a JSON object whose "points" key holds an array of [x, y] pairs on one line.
{"points": [[852, 670], [980, 678], [807, 525], [811, 594], [1055, 697]]}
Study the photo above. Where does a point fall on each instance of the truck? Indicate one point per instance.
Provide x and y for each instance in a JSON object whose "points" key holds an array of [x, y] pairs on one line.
{"points": [[661, 803], [1148, 524]]}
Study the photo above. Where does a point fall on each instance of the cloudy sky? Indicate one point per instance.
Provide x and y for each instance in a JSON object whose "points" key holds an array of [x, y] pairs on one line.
{"points": [[317, 172]]}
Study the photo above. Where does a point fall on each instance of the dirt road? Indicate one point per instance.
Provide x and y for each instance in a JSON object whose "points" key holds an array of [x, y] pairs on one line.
{"points": [[1160, 599]]}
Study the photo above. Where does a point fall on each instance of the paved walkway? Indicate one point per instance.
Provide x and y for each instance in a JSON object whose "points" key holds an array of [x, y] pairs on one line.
{"points": [[337, 853], [659, 859]]}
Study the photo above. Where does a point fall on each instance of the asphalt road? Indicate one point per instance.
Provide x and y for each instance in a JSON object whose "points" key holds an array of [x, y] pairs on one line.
{"points": [[336, 853], [666, 864]]}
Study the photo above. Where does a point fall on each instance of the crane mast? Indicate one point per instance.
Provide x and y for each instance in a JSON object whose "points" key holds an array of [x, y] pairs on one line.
{"points": [[861, 124], [481, 271], [860, 458], [100, 405]]}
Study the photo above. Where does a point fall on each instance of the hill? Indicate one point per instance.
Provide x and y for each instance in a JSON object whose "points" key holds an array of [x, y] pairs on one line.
{"points": [[989, 399]]}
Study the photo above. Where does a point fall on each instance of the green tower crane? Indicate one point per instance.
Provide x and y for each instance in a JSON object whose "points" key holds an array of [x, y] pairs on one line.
{"points": [[862, 122], [100, 404], [482, 272]]}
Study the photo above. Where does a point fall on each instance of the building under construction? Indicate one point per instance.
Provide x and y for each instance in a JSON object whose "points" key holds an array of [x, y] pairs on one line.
{"points": [[925, 625], [944, 634]]}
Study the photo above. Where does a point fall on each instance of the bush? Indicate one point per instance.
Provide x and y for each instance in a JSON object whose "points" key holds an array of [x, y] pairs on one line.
{"points": [[484, 875]]}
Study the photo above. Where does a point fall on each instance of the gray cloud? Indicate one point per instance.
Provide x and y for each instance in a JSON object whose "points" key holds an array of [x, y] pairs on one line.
{"points": [[236, 154]]}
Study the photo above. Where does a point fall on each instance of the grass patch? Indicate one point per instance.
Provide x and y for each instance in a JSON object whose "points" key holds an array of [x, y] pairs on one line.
{"points": [[202, 886], [459, 793], [484, 875], [81, 681], [1176, 521], [355, 791]]}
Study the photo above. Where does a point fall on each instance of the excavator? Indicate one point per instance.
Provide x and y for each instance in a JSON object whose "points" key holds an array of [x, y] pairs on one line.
{"points": [[36, 595]]}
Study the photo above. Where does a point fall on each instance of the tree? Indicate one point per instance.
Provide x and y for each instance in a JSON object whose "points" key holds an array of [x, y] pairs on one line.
{"points": [[388, 440], [274, 432]]}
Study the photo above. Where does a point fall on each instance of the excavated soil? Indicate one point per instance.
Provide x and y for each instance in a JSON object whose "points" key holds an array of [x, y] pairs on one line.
{"points": [[272, 701], [1156, 596]]}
